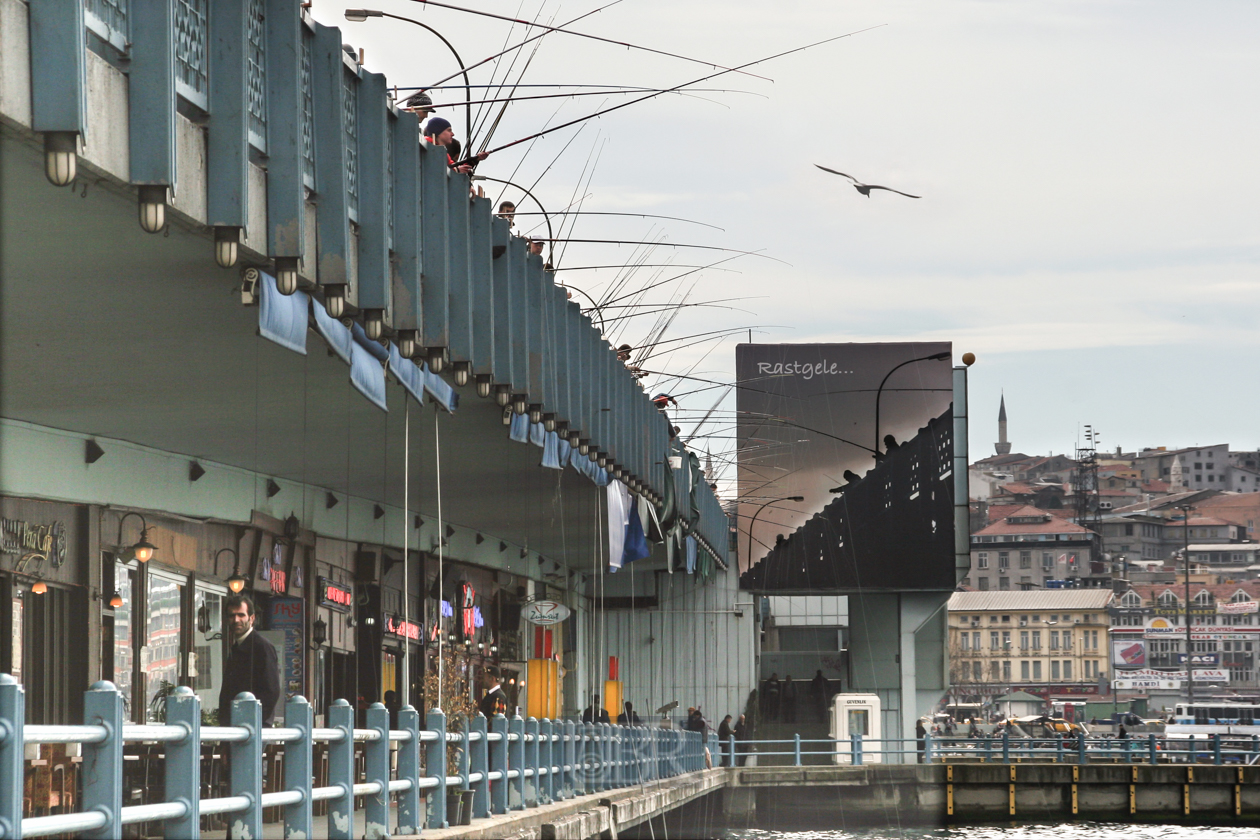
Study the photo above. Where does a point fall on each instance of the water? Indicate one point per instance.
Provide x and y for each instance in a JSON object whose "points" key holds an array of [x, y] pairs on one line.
{"points": [[1083, 830]]}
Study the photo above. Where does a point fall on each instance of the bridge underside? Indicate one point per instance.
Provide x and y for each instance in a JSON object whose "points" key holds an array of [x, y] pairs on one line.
{"points": [[114, 332]]}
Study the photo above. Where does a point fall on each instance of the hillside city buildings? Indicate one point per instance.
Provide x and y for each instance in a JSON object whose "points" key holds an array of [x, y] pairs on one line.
{"points": [[1078, 577]]}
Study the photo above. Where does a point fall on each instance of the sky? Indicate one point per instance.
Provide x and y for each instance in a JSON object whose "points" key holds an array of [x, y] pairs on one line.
{"points": [[1088, 173]]}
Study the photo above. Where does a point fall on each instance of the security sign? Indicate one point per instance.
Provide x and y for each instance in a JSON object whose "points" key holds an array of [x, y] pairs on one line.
{"points": [[545, 612]]}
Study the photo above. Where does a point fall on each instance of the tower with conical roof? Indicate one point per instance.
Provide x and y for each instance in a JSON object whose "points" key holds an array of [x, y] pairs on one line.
{"points": [[1003, 446]]}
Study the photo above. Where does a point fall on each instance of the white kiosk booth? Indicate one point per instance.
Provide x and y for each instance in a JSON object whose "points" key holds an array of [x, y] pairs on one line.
{"points": [[856, 714]]}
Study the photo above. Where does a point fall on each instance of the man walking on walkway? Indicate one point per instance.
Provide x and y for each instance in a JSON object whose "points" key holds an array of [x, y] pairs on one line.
{"points": [[251, 664]]}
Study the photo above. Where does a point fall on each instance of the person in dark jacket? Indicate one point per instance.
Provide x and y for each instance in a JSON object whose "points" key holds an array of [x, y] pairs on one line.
{"points": [[724, 739], [251, 664], [741, 733], [595, 713]]}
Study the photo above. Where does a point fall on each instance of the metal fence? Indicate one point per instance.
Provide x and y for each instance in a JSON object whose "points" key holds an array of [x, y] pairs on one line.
{"points": [[504, 764], [1003, 749]]}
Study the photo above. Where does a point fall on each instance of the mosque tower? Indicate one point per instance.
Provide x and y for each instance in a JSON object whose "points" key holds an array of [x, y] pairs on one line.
{"points": [[1003, 447]]}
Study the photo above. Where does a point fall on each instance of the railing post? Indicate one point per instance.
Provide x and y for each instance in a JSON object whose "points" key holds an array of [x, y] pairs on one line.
{"points": [[246, 776], [183, 762], [859, 748], [1080, 747], [409, 819], [498, 763], [13, 753], [1216, 748], [480, 764], [1059, 743], [376, 755], [341, 771], [619, 752], [927, 748], [435, 767], [586, 757], [1152, 749], [607, 771], [1255, 745], [544, 759], [570, 734], [102, 763], [297, 767], [796, 749], [1006, 746], [853, 750], [1193, 757], [463, 761], [531, 761], [516, 760]]}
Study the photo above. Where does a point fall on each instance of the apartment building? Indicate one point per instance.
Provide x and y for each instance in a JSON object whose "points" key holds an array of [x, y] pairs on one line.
{"points": [[1026, 548], [1043, 642]]}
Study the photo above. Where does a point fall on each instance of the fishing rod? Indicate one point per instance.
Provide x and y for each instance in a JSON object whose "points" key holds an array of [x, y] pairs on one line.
{"points": [[671, 279], [671, 309], [583, 93], [641, 265], [640, 88], [693, 335], [671, 245], [637, 215], [506, 74], [561, 28], [577, 187], [663, 303], [519, 187], [683, 85]]}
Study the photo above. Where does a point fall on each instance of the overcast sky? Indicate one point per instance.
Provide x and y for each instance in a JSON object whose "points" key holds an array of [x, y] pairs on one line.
{"points": [[1089, 174]]}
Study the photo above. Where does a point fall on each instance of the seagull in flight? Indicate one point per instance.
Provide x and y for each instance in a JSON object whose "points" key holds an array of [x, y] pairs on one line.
{"points": [[864, 189]]}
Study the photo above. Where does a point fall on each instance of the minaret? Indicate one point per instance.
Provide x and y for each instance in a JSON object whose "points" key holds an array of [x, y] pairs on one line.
{"points": [[1002, 446]]}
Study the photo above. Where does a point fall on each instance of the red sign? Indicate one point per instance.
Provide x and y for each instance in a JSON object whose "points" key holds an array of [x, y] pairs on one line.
{"points": [[406, 629], [334, 595], [469, 618], [278, 580]]}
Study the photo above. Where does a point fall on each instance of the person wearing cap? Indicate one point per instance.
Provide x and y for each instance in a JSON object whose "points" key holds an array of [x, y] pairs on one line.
{"points": [[420, 103], [439, 132], [507, 210]]}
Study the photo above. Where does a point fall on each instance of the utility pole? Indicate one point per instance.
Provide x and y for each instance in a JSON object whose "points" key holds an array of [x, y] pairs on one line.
{"points": [[1185, 552]]}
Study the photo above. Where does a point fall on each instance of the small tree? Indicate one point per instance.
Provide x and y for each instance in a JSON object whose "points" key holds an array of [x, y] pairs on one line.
{"points": [[455, 698]]}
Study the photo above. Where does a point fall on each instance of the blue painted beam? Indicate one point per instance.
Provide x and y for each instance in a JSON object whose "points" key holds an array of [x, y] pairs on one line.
{"points": [[375, 194], [533, 304], [501, 282], [151, 99], [332, 156], [408, 242], [481, 286], [458, 280], [434, 182], [58, 66], [286, 194], [516, 256], [227, 135]]}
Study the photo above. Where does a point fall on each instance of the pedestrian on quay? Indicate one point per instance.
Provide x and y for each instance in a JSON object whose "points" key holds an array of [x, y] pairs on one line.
{"points": [[740, 731], [724, 735], [251, 663], [771, 690], [595, 713], [818, 688], [920, 736], [628, 717]]}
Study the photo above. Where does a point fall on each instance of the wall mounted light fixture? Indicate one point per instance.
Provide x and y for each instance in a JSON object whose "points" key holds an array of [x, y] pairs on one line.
{"points": [[60, 157], [227, 243], [286, 275], [143, 549], [152, 208]]}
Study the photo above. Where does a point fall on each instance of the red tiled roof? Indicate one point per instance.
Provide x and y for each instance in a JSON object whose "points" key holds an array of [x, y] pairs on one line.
{"points": [[1220, 591], [1050, 524]]}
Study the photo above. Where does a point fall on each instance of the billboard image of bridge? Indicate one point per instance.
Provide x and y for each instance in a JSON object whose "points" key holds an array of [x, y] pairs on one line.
{"points": [[846, 466]]}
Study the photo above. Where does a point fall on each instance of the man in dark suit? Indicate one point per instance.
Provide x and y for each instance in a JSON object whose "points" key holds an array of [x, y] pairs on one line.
{"points": [[251, 663]]}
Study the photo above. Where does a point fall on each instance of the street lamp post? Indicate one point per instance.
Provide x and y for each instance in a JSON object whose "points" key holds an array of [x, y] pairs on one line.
{"points": [[361, 15], [758, 513], [1185, 537], [935, 357]]}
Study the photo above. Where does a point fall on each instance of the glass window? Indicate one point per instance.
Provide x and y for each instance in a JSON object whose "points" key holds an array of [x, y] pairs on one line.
{"points": [[993, 640], [1036, 669], [859, 722], [159, 658], [1023, 669], [1054, 669], [1023, 640], [206, 667], [984, 584], [1036, 639], [124, 662], [1006, 670], [1067, 669]]}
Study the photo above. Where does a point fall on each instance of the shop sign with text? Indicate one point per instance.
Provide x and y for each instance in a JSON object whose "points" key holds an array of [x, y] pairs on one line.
{"points": [[334, 595], [545, 612]]}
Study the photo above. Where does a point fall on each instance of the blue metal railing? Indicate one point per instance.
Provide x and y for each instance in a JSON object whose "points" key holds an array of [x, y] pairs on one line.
{"points": [[506, 764], [1003, 749]]}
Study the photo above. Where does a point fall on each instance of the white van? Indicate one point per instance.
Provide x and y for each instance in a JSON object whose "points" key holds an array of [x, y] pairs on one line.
{"points": [[855, 714]]}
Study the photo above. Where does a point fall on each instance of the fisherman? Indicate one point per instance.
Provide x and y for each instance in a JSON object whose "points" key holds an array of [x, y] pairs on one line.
{"points": [[419, 103], [439, 132], [507, 210]]}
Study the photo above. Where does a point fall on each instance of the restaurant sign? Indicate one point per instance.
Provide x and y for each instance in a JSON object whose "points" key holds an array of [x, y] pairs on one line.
{"points": [[33, 543], [334, 595], [1238, 607], [406, 629], [545, 612]]}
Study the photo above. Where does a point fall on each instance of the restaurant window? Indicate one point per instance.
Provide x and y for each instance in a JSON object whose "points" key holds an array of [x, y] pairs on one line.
{"points": [[124, 620], [159, 658], [206, 666]]}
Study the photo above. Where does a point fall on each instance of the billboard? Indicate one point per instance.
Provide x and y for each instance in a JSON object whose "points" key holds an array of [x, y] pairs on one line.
{"points": [[1128, 652], [862, 435]]}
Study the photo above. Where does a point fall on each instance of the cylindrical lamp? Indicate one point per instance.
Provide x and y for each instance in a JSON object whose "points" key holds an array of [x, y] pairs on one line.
{"points": [[152, 208], [374, 323], [406, 343], [335, 299], [535, 413], [462, 371], [484, 384], [519, 403], [549, 422], [60, 157], [437, 359], [227, 241], [286, 275], [503, 394]]}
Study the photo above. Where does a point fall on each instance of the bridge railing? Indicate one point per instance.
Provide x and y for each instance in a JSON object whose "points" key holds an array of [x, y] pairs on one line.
{"points": [[1003, 749], [504, 765]]}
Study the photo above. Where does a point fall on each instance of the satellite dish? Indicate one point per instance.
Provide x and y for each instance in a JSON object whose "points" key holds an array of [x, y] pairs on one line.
{"points": [[667, 708]]}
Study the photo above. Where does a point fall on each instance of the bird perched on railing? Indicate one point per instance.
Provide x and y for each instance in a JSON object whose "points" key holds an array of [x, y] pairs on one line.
{"points": [[864, 189]]}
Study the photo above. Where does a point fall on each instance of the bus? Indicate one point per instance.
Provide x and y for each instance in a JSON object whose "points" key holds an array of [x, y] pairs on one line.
{"points": [[1236, 722]]}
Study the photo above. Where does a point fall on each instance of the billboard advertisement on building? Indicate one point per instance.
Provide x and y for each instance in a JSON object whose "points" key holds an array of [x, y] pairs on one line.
{"points": [[1128, 652], [845, 466]]}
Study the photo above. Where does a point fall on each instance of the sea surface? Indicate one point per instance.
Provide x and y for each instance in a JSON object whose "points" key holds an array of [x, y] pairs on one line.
{"points": [[1027, 831]]}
